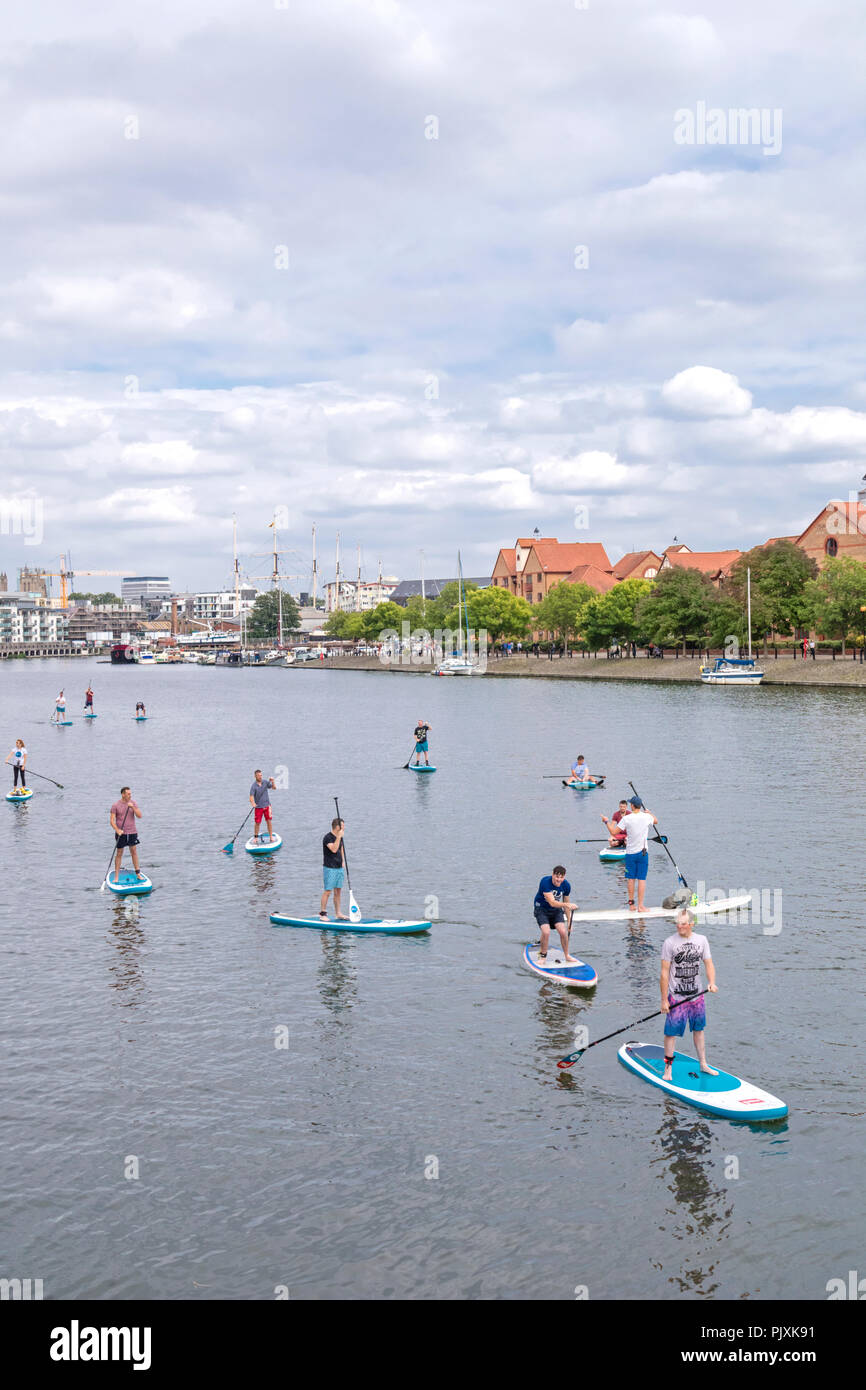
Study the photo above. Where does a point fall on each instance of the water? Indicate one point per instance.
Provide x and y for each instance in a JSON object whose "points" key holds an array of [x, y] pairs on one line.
{"points": [[145, 1030]]}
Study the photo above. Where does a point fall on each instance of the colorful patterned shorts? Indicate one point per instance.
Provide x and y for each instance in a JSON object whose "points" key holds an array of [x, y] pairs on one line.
{"points": [[689, 1011]]}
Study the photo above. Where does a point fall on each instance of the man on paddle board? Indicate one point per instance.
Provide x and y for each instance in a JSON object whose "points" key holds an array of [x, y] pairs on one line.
{"points": [[123, 816], [60, 708], [637, 825], [261, 800], [616, 837], [18, 759], [333, 873], [552, 902], [682, 1002], [88, 700], [421, 731], [581, 773]]}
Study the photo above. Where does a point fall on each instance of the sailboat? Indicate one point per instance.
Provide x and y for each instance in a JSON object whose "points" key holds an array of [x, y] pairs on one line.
{"points": [[729, 670], [460, 663]]}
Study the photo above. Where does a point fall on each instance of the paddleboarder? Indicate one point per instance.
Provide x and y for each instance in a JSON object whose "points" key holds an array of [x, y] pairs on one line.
{"points": [[616, 837], [581, 773], [18, 759], [637, 825], [682, 1001], [123, 816], [88, 700], [60, 708], [333, 873], [261, 800], [139, 709], [421, 731], [552, 902]]}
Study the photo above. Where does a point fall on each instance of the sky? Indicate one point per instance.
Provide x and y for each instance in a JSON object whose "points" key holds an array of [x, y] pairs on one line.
{"points": [[426, 275]]}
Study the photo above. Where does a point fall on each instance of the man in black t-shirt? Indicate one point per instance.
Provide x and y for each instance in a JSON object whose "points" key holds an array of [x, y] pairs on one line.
{"points": [[333, 872]]}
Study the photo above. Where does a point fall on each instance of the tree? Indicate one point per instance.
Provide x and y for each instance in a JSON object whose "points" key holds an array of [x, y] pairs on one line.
{"points": [[263, 619], [349, 627], [834, 599], [562, 610], [678, 607], [100, 599], [780, 573], [383, 616], [499, 614], [613, 615]]}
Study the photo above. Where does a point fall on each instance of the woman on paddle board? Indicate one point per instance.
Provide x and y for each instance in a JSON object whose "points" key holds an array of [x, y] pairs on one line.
{"points": [[421, 731], [60, 708], [552, 902], [260, 799], [88, 700], [139, 709], [123, 816], [333, 873], [616, 837], [637, 825], [18, 759], [682, 955]]}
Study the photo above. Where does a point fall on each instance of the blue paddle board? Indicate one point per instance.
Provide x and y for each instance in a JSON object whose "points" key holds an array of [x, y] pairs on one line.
{"points": [[578, 976], [91, 716], [611, 856], [140, 718], [254, 846], [129, 882], [61, 723], [393, 926], [19, 795], [582, 786], [724, 1094], [422, 767]]}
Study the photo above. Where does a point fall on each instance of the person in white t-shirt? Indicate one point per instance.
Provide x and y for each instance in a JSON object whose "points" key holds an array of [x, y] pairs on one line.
{"points": [[682, 1000], [637, 826]]}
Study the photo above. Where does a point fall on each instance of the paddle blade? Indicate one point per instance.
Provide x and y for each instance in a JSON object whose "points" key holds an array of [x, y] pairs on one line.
{"points": [[565, 1062], [354, 910], [229, 848]]}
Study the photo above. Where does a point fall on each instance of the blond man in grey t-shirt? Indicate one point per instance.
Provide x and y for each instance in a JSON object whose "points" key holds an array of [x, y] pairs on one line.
{"points": [[682, 999]]}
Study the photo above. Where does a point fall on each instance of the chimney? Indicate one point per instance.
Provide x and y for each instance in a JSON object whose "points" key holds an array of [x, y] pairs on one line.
{"points": [[174, 617]]}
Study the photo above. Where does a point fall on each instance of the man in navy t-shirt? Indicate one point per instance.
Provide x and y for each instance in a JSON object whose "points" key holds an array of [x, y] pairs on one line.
{"points": [[551, 905]]}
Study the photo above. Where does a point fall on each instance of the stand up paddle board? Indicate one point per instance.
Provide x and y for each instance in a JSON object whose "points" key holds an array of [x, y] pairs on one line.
{"points": [[24, 795], [254, 846], [61, 723], [611, 856], [623, 914], [579, 975], [582, 786], [91, 716], [396, 926], [129, 882], [422, 767], [724, 1094], [140, 718]]}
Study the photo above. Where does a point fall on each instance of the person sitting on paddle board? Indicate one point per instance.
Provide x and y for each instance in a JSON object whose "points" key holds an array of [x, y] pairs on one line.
{"points": [[682, 1001], [262, 802], [139, 708], [616, 837], [552, 902], [88, 699], [18, 759], [122, 817], [637, 825], [60, 708], [581, 773], [421, 732], [333, 873]]}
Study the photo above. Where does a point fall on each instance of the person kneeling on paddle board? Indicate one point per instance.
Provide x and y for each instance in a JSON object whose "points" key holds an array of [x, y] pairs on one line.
{"points": [[682, 1001], [262, 802], [551, 905], [421, 732], [581, 773], [637, 825], [333, 873], [616, 837], [122, 817], [18, 759]]}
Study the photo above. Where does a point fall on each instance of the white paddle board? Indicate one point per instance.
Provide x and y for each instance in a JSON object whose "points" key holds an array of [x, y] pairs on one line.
{"points": [[622, 914], [263, 846], [724, 1094], [578, 975]]}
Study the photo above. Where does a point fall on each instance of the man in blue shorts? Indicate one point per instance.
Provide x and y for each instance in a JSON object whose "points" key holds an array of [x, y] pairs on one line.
{"points": [[682, 1001], [421, 746], [333, 873], [637, 825], [552, 902]]}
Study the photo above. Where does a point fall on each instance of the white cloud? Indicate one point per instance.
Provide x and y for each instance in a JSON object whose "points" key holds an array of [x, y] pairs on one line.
{"points": [[706, 391]]}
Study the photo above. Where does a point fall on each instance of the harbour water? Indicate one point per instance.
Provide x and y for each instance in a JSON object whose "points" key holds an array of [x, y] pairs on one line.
{"points": [[414, 1138]]}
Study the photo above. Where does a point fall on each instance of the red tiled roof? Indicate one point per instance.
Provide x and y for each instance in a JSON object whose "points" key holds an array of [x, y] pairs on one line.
{"points": [[561, 557], [600, 580], [707, 561], [510, 558], [854, 514], [633, 560]]}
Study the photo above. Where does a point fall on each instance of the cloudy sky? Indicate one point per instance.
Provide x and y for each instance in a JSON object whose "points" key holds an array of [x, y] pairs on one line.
{"points": [[426, 274]]}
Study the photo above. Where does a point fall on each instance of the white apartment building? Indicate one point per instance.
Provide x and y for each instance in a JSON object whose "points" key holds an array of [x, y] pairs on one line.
{"points": [[373, 592], [27, 618], [217, 607]]}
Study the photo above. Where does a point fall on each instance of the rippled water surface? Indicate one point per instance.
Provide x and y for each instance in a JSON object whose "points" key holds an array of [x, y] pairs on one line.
{"points": [[147, 1029]]}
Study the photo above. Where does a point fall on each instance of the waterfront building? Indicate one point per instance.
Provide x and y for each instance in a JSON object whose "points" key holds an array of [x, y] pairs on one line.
{"points": [[137, 588], [344, 597], [411, 588], [26, 618], [220, 605], [537, 563]]}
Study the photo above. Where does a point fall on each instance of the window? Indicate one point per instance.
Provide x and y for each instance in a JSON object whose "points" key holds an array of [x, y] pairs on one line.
{"points": [[831, 546]]}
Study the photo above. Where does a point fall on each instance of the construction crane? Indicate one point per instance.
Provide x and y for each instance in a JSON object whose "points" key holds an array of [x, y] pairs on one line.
{"points": [[66, 572]]}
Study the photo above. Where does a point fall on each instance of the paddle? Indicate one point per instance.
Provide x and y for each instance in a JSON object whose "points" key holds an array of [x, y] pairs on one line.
{"points": [[551, 776], [663, 839], [656, 839], [230, 847], [108, 870], [405, 765], [354, 910], [565, 1062], [31, 773]]}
